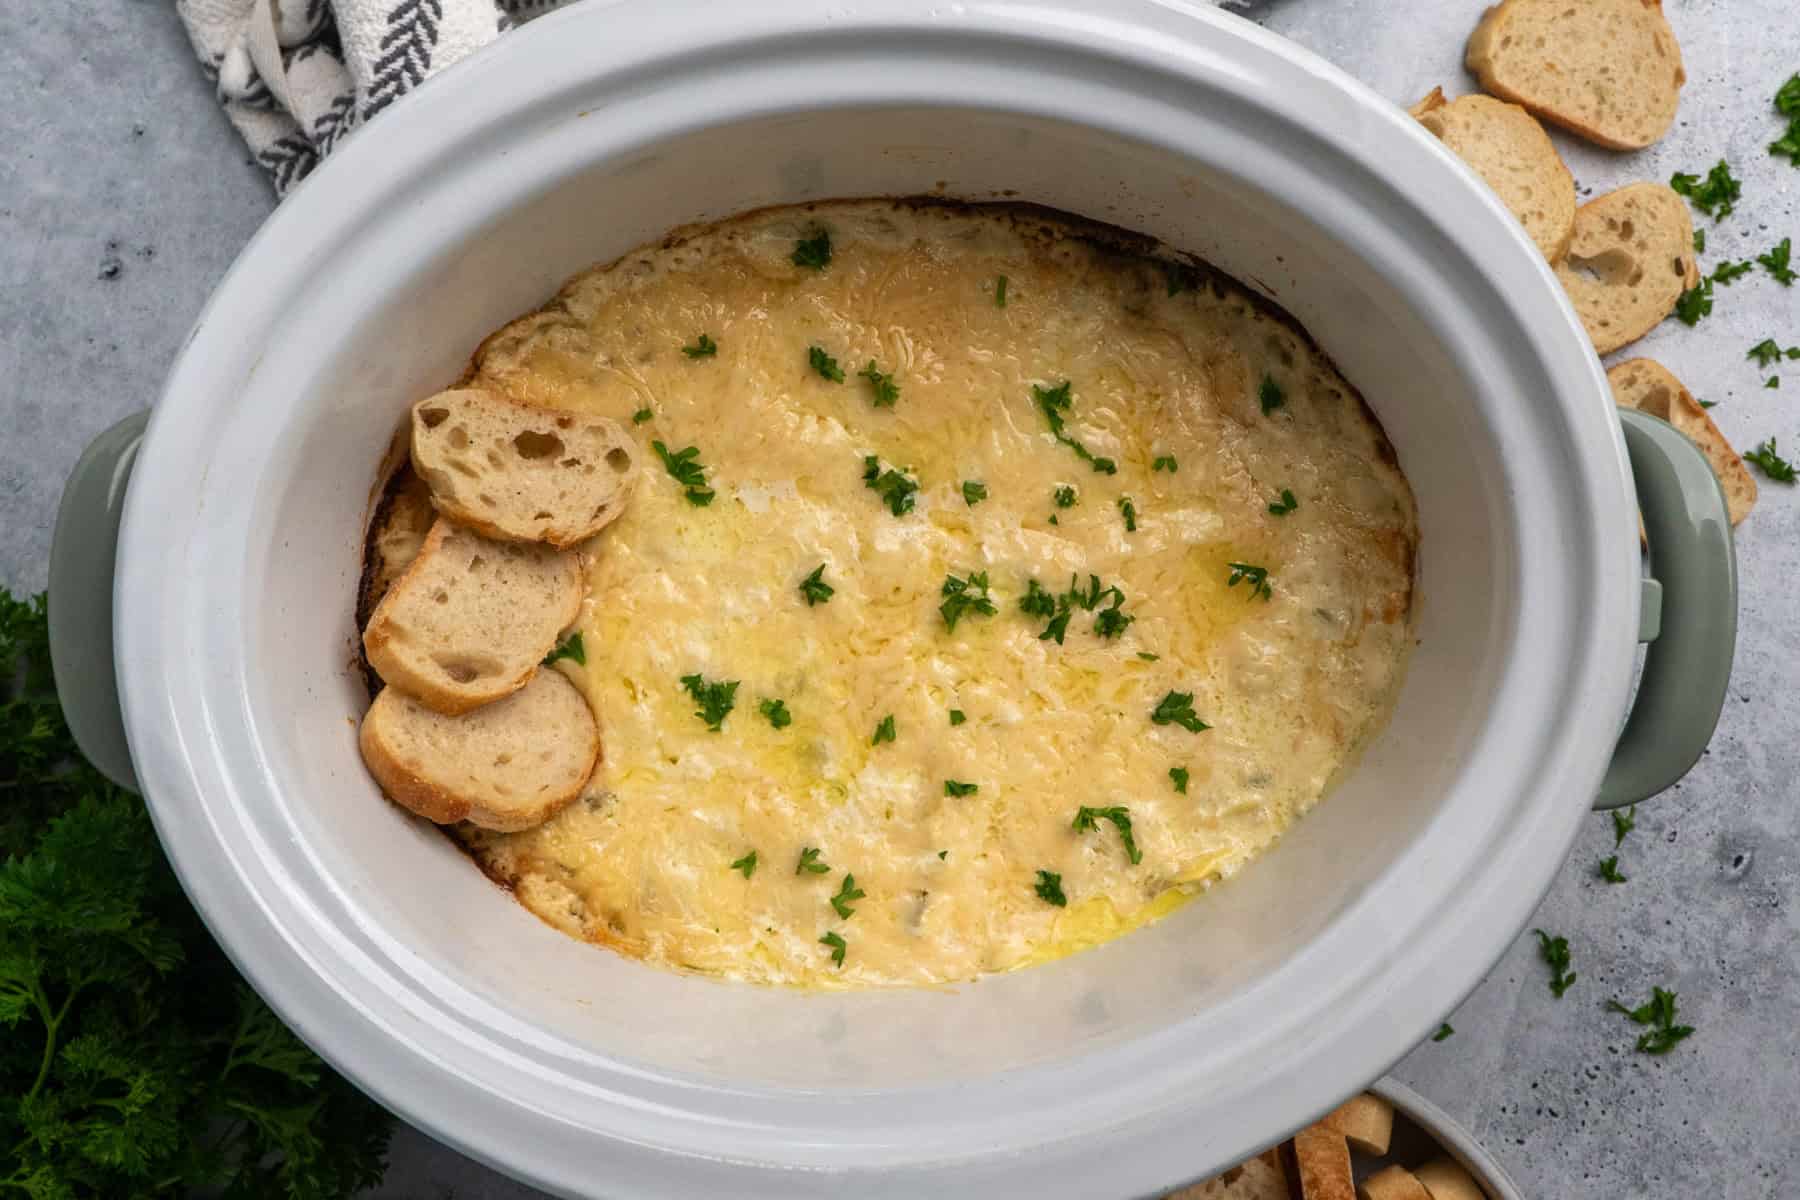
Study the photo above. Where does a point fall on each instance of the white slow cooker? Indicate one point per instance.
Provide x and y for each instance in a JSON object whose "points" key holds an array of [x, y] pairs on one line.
{"points": [[1122, 1071]]}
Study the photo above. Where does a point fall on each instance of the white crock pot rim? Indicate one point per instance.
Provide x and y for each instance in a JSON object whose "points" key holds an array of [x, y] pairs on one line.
{"points": [[177, 716]]}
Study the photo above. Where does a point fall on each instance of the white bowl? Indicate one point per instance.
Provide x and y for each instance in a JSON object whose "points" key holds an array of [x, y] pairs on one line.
{"points": [[1132, 1068]]}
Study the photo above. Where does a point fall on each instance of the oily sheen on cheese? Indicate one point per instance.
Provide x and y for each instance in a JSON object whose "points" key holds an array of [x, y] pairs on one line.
{"points": [[1163, 364]]}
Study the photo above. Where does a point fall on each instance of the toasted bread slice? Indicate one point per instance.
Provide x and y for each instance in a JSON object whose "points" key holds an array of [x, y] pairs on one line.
{"points": [[1443, 1179], [506, 767], [1510, 151], [1631, 258], [1392, 1183], [1321, 1164], [471, 618], [1366, 1121], [1609, 70], [522, 473], [1647, 385], [1260, 1178]]}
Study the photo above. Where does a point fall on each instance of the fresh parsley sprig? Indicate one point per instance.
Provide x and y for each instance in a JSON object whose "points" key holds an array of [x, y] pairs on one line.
{"points": [[895, 487], [569, 648], [716, 699], [1766, 353], [1715, 196], [685, 466], [1087, 818], [777, 713], [883, 388], [814, 589], [1177, 708], [846, 893], [1779, 262], [809, 863], [824, 364], [965, 596], [1053, 402], [1049, 889], [1771, 463], [1787, 103], [1658, 1012], [1555, 953]]}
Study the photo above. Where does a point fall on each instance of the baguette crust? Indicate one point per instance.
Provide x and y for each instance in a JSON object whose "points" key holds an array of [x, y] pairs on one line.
{"points": [[1392, 1183], [1513, 155], [1648, 386], [542, 745], [1259, 1178], [1321, 1164], [1366, 1121], [1608, 70], [1631, 258], [1443, 1179]]}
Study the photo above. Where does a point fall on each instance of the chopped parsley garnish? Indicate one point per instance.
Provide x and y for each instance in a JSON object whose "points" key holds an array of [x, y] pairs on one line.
{"points": [[809, 862], [1179, 777], [1778, 261], [1049, 889], [1555, 953], [570, 648], [894, 487], [885, 389], [884, 732], [746, 864], [1659, 1013], [1715, 196], [1177, 708], [1165, 462], [1057, 629], [1285, 505], [956, 787], [824, 364], [814, 252], [1147, 656], [1270, 395], [716, 700], [1699, 241], [957, 716], [1036, 602], [1444, 1031], [1064, 497], [1774, 381], [1089, 818], [1729, 272], [1109, 622], [837, 947], [974, 492], [1767, 353], [943, 854], [1256, 577], [1787, 103], [1772, 464], [685, 466], [814, 588], [1000, 292], [1128, 510], [705, 347], [1609, 870], [1624, 821], [1707, 403], [777, 712], [847, 892], [1053, 402], [641, 415], [1695, 303], [965, 596]]}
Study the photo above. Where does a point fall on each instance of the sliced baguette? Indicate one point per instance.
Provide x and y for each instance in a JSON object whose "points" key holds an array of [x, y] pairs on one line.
{"points": [[1443, 1179], [1260, 1178], [471, 618], [506, 767], [1631, 258], [1366, 1121], [1510, 151], [1648, 386], [1392, 1183], [1609, 70], [1321, 1164], [522, 473]]}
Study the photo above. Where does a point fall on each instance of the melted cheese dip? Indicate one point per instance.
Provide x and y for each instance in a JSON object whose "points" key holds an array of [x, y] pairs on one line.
{"points": [[1165, 367]]}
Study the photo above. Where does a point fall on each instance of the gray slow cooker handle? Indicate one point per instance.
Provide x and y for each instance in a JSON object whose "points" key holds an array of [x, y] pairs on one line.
{"points": [[81, 597], [1689, 613], [1677, 706]]}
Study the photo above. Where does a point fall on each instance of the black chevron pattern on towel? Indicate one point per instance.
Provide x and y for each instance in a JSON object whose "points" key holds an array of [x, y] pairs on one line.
{"points": [[406, 47], [288, 160], [334, 122]]}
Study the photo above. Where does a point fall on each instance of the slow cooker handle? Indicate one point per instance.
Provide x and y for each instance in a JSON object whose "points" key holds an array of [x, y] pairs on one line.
{"points": [[81, 597], [1689, 613]]}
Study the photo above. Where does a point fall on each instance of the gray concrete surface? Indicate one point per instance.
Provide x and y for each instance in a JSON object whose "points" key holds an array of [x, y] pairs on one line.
{"points": [[124, 197]]}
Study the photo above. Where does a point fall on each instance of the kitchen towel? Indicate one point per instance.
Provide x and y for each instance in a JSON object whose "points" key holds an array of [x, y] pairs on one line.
{"points": [[298, 76]]}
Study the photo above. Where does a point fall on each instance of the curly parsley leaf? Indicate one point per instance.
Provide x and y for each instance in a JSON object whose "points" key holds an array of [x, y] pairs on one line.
{"points": [[685, 466], [1658, 1012], [1771, 463], [1729, 272], [1177, 708], [813, 253], [1767, 353], [965, 596], [716, 699], [895, 487], [1555, 953], [846, 893], [1787, 103], [777, 713], [1087, 818], [1609, 870], [974, 492], [1778, 262], [1064, 497], [814, 589], [824, 364], [569, 648], [1715, 196], [885, 390], [1049, 889], [705, 347], [1695, 303]]}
